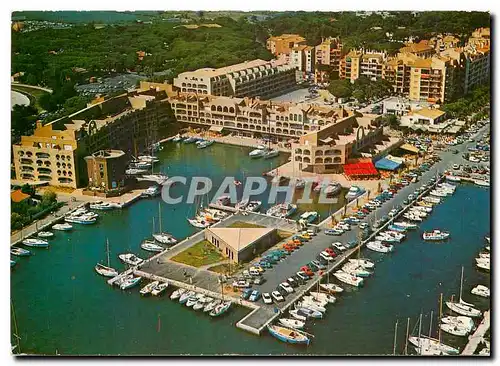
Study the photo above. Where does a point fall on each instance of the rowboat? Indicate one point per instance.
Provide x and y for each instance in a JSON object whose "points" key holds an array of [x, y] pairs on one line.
{"points": [[288, 335]]}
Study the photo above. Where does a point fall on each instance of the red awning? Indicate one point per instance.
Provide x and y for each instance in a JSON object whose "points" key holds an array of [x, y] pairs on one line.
{"points": [[365, 168]]}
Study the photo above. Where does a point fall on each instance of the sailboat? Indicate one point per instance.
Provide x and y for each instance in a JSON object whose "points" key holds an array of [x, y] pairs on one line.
{"points": [[163, 237], [461, 307], [426, 345], [103, 270]]}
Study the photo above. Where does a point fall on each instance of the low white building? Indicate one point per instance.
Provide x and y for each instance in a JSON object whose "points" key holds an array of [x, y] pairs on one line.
{"points": [[400, 106], [424, 117]]}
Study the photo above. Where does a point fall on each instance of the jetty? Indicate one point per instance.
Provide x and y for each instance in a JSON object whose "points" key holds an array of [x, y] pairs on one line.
{"points": [[478, 335]]}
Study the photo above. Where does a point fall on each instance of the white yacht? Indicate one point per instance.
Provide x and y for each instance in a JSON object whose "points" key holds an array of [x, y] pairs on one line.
{"points": [[151, 246], [481, 290], [435, 235], [36, 243], [151, 191], [365, 263], [257, 153], [331, 287], [130, 258], [146, 290], [354, 192], [100, 205], [377, 246], [159, 289], [349, 279], [165, 238], [253, 206], [62, 227], [45, 234]]}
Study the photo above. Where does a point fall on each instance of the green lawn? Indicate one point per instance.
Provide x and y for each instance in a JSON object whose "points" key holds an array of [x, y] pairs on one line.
{"points": [[198, 255], [32, 93], [243, 224]]}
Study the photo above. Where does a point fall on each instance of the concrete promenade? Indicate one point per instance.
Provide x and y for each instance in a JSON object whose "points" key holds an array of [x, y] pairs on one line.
{"points": [[478, 335]]}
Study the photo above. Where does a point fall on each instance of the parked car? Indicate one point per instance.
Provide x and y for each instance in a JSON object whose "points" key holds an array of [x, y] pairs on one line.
{"points": [[277, 296], [307, 271], [254, 296], [302, 275], [292, 282], [286, 286], [246, 293], [326, 256], [267, 298], [331, 252], [259, 280], [241, 284]]}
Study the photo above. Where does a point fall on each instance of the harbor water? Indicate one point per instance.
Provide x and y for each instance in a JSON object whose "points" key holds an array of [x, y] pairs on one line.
{"points": [[62, 306]]}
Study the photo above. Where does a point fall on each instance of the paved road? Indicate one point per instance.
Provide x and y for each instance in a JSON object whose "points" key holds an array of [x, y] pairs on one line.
{"points": [[309, 251]]}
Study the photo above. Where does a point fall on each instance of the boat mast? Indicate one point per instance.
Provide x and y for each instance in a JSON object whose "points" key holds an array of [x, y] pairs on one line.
{"points": [[461, 284], [440, 315], [420, 335], [159, 215], [107, 250], [395, 338], [430, 325], [407, 335]]}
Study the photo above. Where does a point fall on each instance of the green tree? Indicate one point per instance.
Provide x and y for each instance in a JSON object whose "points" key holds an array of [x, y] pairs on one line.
{"points": [[48, 199], [340, 88]]}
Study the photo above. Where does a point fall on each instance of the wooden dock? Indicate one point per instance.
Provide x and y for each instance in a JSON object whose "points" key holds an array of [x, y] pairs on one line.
{"points": [[478, 335]]}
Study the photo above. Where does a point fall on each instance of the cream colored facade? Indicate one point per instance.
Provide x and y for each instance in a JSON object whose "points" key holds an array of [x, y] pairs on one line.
{"points": [[47, 156], [253, 117], [248, 79], [283, 44], [302, 58], [328, 149], [329, 52], [240, 244], [358, 63]]}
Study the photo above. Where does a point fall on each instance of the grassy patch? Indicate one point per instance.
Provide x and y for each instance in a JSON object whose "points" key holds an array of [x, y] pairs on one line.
{"points": [[32, 93], [225, 268], [243, 224], [198, 255]]}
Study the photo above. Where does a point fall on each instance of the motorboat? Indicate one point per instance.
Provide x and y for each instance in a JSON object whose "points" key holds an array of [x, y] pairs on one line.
{"points": [[331, 288], [315, 300], [321, 296], [177, 293], [397, 228], [100, 205], [193, 299], [453, 178], [62, 227], [288, 335], [135, 171], [434, 200], [242, 204], [122, 279], [20, 252], [185, 296], [429, 343], [177, 138], [205, 144], [36, 243], [309, 216], [365, 263], [481, 290], [148, 158], [292, 323], [257, 153], [299, 183], [348, 278], [422, 208], [130, 258], [158, 178], [482, 183], [355, 270], [253, 206], [141, 165], [435, 235], [199, 223], [462, 321], [483, 263], [377, 246], [308, 313], [151, 191], [411, 217], [220, 309], [211, 305], [45, 234], [311, 305], [146, 290], [150, 246], [454, 329], [189, 140], [159, 289], [80, 220], [165, 238], [295, 314], [282, 210], [271, 154], [332, 189], [134, 281]]}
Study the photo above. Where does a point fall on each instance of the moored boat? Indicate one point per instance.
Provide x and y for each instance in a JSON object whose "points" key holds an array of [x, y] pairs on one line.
{"points": [[20, 252], [292, 323], [253, 206], [435, 235], [331, 287], [159, 289], [481, 290], [150, 246], [349, 279], [62, 227], [45, 234], [288, 335], [177, 293], [100, 205], [377, 246], [129, 283], [146, 290], [36, 243], [220, 309], [130, 258]]}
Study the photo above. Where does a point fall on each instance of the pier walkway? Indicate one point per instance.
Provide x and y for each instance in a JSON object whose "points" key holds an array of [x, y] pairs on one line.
{"points": [[478, 335]]}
